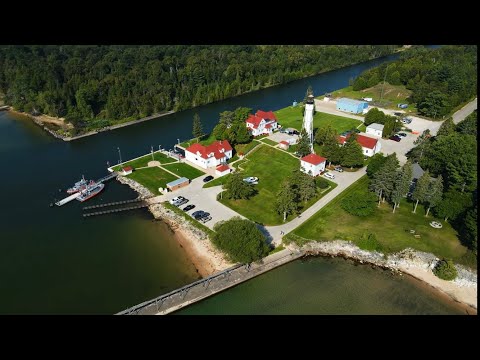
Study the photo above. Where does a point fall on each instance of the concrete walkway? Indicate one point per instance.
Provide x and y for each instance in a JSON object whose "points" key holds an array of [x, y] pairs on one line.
{"points": [[343, 180]]}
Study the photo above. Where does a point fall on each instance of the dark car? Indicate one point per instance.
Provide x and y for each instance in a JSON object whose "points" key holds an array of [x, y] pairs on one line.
{"points": [[188, 207], [295, 132], [201, 215], [402, 134], [208, 178], [198, 214], [395, 138], [398, 114]]}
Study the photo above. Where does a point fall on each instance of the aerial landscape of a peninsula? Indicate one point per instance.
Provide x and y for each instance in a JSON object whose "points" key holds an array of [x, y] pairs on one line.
{"points": [[238, 179]]}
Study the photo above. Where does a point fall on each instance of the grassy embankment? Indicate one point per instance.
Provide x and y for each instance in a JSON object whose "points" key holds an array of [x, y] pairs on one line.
{"points": [[144, 160], [391, 230]]}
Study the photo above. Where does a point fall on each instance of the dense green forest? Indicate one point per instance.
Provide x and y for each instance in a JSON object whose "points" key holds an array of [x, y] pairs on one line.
{"points": [[452, 154], [95, 86], [440, 79]]}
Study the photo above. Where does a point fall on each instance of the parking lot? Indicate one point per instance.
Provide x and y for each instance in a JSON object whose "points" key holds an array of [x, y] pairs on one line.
{"points": [[203, 199], [402, 147], [278, 136]]}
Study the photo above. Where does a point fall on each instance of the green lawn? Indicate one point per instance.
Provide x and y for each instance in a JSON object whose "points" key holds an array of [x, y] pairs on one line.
{"points": [[205, 140], [392, 95], [362, 128], [391, 230], [183, 169], [271, 166], [152, 178], [291, 117], [246, 148], [143, 161], [269, 142], [218, 181]]}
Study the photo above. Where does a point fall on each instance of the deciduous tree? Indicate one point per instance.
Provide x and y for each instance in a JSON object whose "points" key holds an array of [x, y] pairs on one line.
{"points": [[236, 188], [285, 202], [197, 127], [420, 194], [434, 193]]}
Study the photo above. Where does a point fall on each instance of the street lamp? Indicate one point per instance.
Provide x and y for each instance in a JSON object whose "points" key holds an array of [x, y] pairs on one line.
{"points": [[119, 155]]}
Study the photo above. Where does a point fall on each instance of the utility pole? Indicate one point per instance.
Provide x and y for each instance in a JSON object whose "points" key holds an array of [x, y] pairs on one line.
{"points": [[119, 155], [151, 149], [383, 86]]}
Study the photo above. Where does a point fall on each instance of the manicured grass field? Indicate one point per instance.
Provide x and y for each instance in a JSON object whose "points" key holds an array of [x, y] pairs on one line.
{"points": [[218, 181], [143, 161], [391, 230], [246, 148], [362, 128], [206, 140], [269, 142], [271, 166], [182, 169], [291, 117], [392, 95], [152, 178]]}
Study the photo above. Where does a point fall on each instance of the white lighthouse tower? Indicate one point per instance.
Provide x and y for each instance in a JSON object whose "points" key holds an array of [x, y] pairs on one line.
{"points": [[308, 118]]}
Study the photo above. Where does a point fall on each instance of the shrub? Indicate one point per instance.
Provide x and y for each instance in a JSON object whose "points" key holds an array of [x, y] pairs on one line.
{"points": [[445, 269], [240, 239], [359, 203], [369, 242], [322, 183]]}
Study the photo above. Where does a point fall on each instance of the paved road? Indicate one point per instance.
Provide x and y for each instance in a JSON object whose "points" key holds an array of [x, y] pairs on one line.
{"points": [[343, 180], [465, 111]]}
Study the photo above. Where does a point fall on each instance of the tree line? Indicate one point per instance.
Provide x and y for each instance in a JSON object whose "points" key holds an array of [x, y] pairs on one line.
{"points": [[440, 79], [96, 86]]}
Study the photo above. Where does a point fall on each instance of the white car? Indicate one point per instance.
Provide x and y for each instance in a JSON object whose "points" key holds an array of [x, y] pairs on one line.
{"points": [[329, 176], [251, 180]]}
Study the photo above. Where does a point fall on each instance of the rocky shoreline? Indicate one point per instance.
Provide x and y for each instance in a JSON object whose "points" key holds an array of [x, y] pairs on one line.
{"points": [[415, 263], [206, 259]]}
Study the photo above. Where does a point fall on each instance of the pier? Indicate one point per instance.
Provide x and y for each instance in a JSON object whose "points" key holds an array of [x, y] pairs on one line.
{"points": [[140, 204], [67, 199], [211, 285], [111, 204]]}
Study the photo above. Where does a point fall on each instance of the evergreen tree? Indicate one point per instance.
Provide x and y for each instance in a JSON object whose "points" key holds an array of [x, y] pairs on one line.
{"points": [[236, 188], [219, 131], [434, 193], [333, 152], [389, 126], [326, 135], [453, 204], [285, 202], [468, 126], [197, 127], [383, 181], [227, 118], [420, 194], [447, 128], [303, 186], [241, 114], [352, 153], [375, 163], [402, 184], [303, 146]]}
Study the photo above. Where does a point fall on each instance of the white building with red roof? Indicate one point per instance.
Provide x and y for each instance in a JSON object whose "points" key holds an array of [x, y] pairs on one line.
{"points": [[370, 146], [312, 164], [263, 122], [209, 156], [127, 170], [222, 170]]}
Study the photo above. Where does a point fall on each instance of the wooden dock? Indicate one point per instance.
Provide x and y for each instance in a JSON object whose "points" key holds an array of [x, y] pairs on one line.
{"points": [[142, 204], [112, 204]]}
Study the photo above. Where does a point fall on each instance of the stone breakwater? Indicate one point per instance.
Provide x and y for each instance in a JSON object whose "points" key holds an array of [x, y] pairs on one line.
{"points": [[416, 263], [143, 192]]}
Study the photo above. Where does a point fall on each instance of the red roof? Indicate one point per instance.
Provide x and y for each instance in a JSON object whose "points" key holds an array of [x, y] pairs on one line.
{"points": [[254, 120], [218, 148], [127, 168], [284, 142], [267, 115], [364, 141], [313, 159], [222, 168]]}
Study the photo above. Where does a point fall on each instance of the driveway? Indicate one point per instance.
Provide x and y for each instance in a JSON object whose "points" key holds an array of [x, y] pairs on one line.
{"points": [[278, 136]]}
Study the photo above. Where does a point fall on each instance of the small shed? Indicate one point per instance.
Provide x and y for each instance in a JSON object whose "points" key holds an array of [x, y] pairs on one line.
{"points": [[222, 170], [375, 129], [284, 145], [417, 172], [127, 170], [351, 106], [177, 184]]}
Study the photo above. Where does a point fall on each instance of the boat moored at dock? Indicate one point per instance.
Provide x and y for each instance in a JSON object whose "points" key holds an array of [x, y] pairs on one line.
{"points": [[90, 191]]}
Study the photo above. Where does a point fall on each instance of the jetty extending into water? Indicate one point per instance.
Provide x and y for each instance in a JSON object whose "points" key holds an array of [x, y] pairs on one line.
{"points": [[211, 285]]}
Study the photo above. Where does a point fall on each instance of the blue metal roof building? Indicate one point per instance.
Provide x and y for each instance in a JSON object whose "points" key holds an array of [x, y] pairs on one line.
{"points": [[351, 106]]}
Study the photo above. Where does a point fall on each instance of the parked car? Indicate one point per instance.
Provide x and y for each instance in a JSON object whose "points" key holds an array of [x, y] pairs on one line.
{"points": [[402, 106], [338, 168], [205, 219], [188, 207], [329, 175], [402, 134], [202, 215], [198, 214], [181, 201], [208, 178], [251, 180], [395, 138], [177, 200], [398, 114]]}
